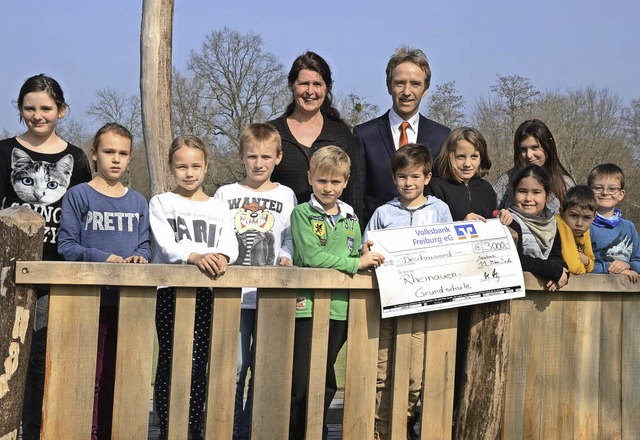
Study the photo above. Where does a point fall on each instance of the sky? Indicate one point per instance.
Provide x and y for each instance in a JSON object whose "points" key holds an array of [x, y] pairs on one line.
{"points": [[559, 45]]}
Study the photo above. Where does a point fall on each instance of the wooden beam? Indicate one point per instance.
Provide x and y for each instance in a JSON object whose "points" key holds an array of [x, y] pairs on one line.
{"points": [[283, 278]]}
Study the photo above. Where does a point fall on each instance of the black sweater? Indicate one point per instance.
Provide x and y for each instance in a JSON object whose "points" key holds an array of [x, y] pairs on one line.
{"points": [[292, 170], [551, 268], [477, 197]]}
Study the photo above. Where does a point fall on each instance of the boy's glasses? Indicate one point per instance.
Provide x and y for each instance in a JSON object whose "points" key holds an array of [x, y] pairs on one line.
{"points": [[600, 189]]}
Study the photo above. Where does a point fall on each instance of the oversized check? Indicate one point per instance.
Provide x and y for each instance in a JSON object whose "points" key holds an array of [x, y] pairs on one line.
{"points": [[446, 265]]}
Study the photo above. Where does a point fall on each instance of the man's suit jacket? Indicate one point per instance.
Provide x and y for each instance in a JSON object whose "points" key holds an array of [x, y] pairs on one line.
{"points": [[375, 147]]}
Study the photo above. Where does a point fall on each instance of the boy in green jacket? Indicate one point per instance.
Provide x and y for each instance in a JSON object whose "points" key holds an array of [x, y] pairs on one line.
{"points": [[326, 233]]}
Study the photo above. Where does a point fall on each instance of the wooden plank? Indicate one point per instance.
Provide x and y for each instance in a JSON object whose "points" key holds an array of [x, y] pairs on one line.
{"points": [[400, 377], [630, 368], [225, 324], [274, 362], [535, 359], [136, 331], [566, 402], [439, 374], [610, 402], [276, 277], [551, 366], [362, 365], [517, 370], [181, 360], [586, 385], [72, 341], [318, 366]]}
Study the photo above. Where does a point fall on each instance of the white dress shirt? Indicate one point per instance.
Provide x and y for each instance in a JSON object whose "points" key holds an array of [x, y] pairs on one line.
{"points": [[412, 130]]}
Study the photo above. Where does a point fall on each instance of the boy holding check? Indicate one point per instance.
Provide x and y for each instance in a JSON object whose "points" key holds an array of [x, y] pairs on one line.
{"points": [[411, 167]]}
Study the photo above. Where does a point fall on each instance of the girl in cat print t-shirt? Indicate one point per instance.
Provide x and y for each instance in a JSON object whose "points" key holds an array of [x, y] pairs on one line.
{"points": [[36, 169]]}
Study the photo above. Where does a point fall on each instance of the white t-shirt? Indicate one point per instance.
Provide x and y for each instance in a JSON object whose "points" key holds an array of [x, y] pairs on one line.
{"points": [[181, 226], [261, 226]]}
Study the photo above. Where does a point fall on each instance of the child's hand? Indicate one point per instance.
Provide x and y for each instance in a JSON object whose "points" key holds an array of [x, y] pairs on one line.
{"points": [[583, 258], [366, 247], [634, 276], [113, 258], [618, 266], [215, 265], [472, 216], [505, 217], [136, 259], [564, 279], [284, 261], [370, 259]]}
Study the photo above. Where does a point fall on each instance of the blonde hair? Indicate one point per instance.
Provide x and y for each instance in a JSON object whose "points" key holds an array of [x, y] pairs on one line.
{"points": [[262, 133], [331, 160], [188, 141]]}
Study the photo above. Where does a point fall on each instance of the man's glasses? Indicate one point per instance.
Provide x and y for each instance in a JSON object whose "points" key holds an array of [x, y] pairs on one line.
{"points": [[601, 189]]}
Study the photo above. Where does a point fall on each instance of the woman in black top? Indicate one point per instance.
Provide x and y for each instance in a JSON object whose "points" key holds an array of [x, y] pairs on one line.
{"points": [[309, 123]]}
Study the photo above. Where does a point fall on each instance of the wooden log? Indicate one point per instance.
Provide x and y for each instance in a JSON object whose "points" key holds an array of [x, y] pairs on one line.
{"points": [[156, 35], [482, 403], [22, 232]]}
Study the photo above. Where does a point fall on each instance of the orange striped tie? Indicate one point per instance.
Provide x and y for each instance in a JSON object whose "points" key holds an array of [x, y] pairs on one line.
{"points": [[404, 139]]}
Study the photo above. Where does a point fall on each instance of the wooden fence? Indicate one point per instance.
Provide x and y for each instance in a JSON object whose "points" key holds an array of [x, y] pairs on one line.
{"points": [[573, 356], [549, 366]]}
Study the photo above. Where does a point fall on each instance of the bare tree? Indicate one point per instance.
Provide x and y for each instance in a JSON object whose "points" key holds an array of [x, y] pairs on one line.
{"points": [[244, 84], [354, 110], [446, 105], [515, 95], [75, 132], [115, 106], [631, 122]]}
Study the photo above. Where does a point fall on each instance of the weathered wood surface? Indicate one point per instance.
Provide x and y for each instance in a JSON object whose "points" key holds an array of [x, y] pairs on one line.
{"points": [[571, 357], [21, 234], [573, 362], [156, 35], [482, 403]]}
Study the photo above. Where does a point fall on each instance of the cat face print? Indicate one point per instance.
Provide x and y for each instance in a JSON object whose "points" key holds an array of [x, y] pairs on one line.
{"points": [[40, 182]]}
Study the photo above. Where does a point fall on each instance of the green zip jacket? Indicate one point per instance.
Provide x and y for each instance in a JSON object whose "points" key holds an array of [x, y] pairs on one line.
{"points": [[325, 241]]}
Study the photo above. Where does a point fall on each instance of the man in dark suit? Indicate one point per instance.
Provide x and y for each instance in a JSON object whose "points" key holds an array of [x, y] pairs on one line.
{"points": [[408, 78]]}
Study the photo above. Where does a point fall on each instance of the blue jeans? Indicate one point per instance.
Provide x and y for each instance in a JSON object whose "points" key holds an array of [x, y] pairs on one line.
{"points": [[242, 411]]}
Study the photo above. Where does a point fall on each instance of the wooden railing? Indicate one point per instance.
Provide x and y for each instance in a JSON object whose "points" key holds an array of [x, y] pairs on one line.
{"points": [[573, 357], [552, 365]]}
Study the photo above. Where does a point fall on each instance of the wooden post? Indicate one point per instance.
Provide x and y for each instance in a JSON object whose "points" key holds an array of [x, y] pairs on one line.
{"points": [[155, 88], [22, 232], [481, 408]]}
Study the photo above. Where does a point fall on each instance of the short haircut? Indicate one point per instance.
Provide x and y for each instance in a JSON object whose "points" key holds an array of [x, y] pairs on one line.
{"points": [[412, 155], [536, 172], [404, 54], [445, 162], [261, 134], [606, 170], [188, 141], [580, 196], [114, 128], [331, 160]]}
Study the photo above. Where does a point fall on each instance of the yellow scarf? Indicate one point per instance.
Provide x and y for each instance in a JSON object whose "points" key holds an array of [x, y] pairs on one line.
{"points": [[571, 246]]}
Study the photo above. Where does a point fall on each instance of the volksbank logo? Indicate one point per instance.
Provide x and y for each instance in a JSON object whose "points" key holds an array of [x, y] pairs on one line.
{"points": [[465, 231]]}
